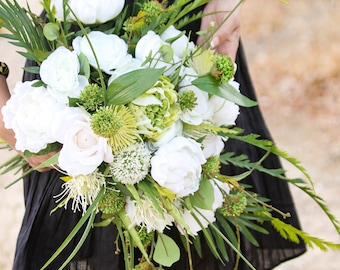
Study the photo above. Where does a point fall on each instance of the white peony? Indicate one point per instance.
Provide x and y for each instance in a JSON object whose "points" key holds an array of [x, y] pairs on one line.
{"points": [[181, 46], [129, 66], [212, 145], [173, 131], [201, 112], [151, 44], [148, 44], [30, 112], [145, 214], [110, 50], [225, 111], [83, 150], [205, 216], [177, 166], [60, 72], [89, 11]]}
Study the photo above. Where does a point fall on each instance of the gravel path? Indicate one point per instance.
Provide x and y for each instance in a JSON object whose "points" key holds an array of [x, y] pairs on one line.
{"points": [[293, 53]]}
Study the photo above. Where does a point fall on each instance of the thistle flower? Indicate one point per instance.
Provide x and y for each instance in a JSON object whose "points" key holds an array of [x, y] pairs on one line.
{"points": [[224, 68], [81, 189], [111, 202], [117, 124], [92, 97], [131, 164]]}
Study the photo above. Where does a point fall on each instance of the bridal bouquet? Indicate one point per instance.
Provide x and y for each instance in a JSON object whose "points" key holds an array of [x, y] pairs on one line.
{"points": [[137, 115]]}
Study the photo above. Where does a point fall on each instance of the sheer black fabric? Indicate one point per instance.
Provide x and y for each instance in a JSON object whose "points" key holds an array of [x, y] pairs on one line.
{"points": [[42, 232]]}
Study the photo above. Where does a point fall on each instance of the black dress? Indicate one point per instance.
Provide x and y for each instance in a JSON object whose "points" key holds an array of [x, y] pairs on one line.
{"points": [[42, 233]]}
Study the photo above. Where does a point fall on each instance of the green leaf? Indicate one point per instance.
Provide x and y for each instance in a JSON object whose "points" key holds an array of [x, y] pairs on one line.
{"points": [[204, 197], [51, 31], [210, 85], [129, 86], [166, 251], [84, 65]]}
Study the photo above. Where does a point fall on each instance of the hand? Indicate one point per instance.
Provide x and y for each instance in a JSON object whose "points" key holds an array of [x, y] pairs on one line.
{"points": [[226, 39], [35, 161]]}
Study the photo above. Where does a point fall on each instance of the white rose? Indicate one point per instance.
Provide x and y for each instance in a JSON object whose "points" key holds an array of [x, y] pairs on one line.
{"points": [[89, 11], [110, 50], [60, 71], [30, 112], [202, 111], [181, 46], [83, 151], [177, 166]]}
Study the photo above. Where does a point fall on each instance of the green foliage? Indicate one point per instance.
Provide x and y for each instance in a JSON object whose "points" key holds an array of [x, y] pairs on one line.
{"points": [[166, 250], [209, 84], [25, 31], [291, 233]]}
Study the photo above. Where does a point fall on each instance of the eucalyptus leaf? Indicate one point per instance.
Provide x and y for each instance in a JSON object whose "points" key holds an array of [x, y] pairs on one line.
{"points": [[166, 251], [51, 31], [210, 85], [131, 85]]}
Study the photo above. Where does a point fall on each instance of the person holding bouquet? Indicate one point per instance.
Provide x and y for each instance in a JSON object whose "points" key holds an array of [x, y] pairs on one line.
{"points": [[42, 233]]}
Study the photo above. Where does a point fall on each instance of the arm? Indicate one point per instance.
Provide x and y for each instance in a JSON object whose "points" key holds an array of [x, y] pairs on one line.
{"points": [[226, 39], [8, 134]]}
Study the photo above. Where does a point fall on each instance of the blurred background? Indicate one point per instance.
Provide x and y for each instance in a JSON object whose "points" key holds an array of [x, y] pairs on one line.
{"points": [[293, 54]]}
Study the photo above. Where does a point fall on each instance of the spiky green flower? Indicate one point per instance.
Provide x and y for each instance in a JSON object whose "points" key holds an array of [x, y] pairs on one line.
{"points": [[187, 100], [111, 202], [117, 124], [224, 68], [92, 97], [131, 164], [234, 204]]}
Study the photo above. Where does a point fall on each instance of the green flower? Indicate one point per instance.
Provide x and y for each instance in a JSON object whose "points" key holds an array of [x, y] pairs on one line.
{"points": [[234, 204], [187, 100], [212, 166], [111, 202], [152, 10], [117, 124], [224, 68], [156, 109], [92, 97]]}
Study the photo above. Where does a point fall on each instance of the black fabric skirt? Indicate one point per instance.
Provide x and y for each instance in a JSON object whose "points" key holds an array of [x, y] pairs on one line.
{"points": [[42, 232]]}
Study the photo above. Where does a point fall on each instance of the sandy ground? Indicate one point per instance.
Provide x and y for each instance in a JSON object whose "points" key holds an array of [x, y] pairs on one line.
{"points": [[293, 53]]}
